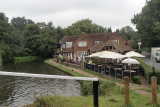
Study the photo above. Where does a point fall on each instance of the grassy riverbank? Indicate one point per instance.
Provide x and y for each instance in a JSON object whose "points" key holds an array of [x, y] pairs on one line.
{"points": [[113, 98], [112, 95], [25, 59], [63, 68], [87, 101]]}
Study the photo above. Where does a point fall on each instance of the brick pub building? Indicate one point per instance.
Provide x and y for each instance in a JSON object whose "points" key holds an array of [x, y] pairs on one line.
{"points": [[76, 47]]}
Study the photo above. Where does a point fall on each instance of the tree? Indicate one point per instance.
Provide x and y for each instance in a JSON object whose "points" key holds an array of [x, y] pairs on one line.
{"points": [[128, 33], [148, 24], [32, 35], [60, 33], [48, 40], [109, 29], [5, 40], [84, 26], [20, 22]]}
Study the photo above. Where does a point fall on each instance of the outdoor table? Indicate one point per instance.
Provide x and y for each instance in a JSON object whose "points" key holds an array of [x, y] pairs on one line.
{"points": [[117, 69], [99, 68], [130, 71]]}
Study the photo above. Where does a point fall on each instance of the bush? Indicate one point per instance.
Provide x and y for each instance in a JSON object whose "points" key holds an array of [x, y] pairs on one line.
{"points": [[105, 87], [136, 79], [86, 88]]}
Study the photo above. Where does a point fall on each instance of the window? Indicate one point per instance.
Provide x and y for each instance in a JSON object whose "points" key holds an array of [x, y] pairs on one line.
{"points": [[82, 44], [82, 53], [68, 44], [97, 42]]}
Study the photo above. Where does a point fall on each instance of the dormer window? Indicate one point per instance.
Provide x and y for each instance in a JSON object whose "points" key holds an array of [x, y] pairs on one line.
{"points": [[82, 44]]}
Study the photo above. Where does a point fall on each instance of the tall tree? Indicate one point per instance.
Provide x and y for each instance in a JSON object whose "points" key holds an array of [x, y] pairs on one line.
{"points": [[32, 35], [148, 23], [128, 32], [84, 26], [5, 37], [21, 22]]}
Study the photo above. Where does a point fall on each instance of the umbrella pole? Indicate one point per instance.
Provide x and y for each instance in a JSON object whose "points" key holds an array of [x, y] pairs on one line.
{"points": [[130, 73], [115, 74], [109, 71], [122, 74]]}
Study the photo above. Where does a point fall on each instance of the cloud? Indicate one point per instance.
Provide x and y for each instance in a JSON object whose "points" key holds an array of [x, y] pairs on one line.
{"points": [[114, 13]]}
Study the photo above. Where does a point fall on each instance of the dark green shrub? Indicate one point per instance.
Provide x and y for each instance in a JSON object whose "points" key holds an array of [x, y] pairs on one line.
{"points": [[136, 79], [86, 88], [105, 87]]}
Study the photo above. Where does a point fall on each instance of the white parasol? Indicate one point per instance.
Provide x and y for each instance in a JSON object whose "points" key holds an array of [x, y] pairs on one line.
{"points": [[134, 54], [108, 55], [130, 61]]}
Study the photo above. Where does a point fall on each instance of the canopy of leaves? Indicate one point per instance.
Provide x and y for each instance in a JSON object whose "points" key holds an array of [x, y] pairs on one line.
{"points": [[148, 23], [84, 26]]}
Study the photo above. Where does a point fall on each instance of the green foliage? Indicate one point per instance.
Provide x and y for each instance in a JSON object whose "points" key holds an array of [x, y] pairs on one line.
{"points": [[23, 37], [114, 98], [136, 79], [25, 59], [85, 26], [62, 68], [20, 22], [149, 71], [130, 34], [105, 88], [148, 24]]}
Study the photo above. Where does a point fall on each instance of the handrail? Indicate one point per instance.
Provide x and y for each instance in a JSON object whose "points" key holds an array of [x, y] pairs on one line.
{"points": [[94, 80], [47, 76]]}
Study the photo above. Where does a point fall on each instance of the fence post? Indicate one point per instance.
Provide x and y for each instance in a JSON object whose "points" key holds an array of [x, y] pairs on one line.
{"points": [[95, 93], [154, 89], [126, 90]]}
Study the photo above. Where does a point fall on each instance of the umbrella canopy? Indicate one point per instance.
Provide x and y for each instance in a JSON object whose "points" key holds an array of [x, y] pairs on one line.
{"points": [[108, 55], [130, 61], [94, 54], [134, 54]]}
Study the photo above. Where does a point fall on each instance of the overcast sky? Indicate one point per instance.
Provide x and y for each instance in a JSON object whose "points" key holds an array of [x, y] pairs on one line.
{"points": [[114, 13]]}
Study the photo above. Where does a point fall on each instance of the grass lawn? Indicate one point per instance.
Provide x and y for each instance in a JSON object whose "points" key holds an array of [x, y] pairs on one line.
{"points": [[110, 100]]}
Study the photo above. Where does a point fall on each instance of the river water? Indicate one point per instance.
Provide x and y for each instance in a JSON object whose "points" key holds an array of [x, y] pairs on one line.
{"points": [[18, 91]]}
